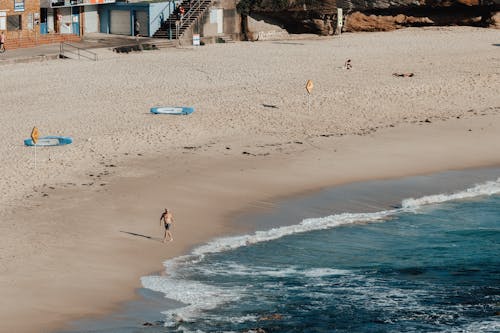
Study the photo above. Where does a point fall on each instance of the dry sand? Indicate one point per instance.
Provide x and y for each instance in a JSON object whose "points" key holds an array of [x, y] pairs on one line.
{"points": [[78, 231]]}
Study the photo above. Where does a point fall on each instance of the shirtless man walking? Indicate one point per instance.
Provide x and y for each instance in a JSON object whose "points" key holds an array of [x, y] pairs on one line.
{"points": [[166, 220]]}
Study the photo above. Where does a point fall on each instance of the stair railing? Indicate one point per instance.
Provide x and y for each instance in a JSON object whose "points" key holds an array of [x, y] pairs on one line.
{"points": [[65, 47], [159, 17], [195, 10]]}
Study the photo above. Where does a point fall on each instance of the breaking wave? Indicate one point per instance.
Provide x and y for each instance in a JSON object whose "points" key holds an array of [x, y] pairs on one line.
{"points": [[200, 297]]}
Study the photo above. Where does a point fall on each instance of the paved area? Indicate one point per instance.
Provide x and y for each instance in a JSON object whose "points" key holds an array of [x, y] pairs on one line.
{"points": [[89, 42]]}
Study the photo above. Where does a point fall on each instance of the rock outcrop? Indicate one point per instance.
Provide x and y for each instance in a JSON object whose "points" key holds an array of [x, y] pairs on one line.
{"points": [[319, 16], [383, 15]]}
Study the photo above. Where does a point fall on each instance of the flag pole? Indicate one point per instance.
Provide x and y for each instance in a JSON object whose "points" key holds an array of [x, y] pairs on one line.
{"points": [[309, 88], [34, 136]]}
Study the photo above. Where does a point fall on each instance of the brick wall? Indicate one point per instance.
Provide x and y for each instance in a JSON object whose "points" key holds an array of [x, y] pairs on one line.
{"points": [[27, 37], [32, 39]]}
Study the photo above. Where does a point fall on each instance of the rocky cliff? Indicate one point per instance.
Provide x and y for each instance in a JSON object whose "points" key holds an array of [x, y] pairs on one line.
{"points": [[319, 16]]}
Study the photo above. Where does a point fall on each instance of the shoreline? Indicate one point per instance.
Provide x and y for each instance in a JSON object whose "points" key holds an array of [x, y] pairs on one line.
{"points": [[290, 211], [80, 230], [120, 258]]}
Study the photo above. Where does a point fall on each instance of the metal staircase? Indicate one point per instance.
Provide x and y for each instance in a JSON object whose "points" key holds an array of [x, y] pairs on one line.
{"points": [[175, 26]]}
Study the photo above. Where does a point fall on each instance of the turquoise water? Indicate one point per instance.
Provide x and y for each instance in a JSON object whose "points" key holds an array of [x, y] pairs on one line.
{"points": [[430, 266]]}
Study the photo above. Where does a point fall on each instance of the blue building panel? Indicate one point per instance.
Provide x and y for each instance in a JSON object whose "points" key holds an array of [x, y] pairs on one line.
{"points": [[155, 14]]}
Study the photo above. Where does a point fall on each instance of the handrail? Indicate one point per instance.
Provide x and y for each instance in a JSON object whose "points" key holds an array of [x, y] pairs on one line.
{"points": [[190, 12], [196, 10], [196, 6], [159, 15], [90, 55]]}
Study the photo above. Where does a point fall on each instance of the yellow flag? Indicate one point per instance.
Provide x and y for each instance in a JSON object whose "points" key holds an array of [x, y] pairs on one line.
{"points": [[34, 135], [309, 86]]}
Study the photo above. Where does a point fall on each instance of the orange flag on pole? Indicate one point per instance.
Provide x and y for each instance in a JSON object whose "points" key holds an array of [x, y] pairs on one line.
{"points": [[309, 86], [34, 135]]}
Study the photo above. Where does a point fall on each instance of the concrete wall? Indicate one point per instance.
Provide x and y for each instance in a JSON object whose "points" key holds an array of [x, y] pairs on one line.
{"points": [[208, 27], [258, 29]]}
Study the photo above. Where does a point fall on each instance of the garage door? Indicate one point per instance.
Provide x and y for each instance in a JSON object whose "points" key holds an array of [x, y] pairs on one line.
{"points": [[91, 19], [120, 22]]}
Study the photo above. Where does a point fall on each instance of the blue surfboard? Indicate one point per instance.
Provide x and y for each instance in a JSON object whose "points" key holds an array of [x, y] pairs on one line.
{"points": [[52, 140], [176, 110]]}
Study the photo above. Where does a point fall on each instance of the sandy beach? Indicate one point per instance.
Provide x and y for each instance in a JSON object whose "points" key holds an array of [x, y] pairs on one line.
{"points": [[79, 231]]}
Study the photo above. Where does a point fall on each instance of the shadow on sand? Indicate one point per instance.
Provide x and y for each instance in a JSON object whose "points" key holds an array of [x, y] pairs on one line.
{"points": [[158, 239]]}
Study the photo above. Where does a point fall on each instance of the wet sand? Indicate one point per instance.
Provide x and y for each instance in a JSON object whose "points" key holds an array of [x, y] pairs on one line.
{"points": [[368, 196]]}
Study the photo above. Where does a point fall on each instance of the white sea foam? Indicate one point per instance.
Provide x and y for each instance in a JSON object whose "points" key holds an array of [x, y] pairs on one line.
{"points": [[488, 188], [199, 297], [242, 319], [230, 243], [321, 272], [486, 326], [408, 205], [237, 269]]}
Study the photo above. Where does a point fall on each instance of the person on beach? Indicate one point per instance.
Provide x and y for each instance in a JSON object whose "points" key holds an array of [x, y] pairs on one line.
{"points": [[166, 220], [137, 28], [182, 11], [348, 64], [2, 41]]}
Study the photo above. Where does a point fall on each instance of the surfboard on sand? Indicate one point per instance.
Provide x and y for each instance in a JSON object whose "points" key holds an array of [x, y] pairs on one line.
{"points": [[51, 140], [177, 110]]}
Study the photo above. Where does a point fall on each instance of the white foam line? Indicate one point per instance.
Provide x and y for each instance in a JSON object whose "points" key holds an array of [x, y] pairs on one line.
{"points": [[408, 205], [230, 243], [275, 271], [488, 188], [174, 286]]}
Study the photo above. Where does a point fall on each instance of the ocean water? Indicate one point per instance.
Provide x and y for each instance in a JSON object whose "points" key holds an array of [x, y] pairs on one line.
{"points": [[431, 264], [355, 258]]}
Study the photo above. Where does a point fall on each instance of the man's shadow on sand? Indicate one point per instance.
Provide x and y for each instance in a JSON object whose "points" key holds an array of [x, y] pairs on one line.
{"points": [[157, 239]]}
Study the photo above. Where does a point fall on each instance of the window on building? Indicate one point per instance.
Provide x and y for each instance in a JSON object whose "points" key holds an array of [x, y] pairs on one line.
{"points": [[3, 20], [57, 3], [14, 22]]}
